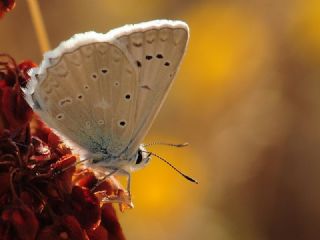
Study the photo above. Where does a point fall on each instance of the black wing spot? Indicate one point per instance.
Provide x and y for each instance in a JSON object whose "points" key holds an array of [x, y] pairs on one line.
{"points": [[60, 116], [80, 96], [127, 96], [138, 63], [122, 123], [104, 71], [148, 57], [94, 76], [160, 56], [167, 64]]}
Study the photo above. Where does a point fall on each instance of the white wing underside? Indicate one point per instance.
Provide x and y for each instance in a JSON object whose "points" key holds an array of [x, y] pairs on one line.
{"points": [[102, 91]]}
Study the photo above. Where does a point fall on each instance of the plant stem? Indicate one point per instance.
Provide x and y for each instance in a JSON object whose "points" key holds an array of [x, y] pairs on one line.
{"points": [[38, 24]]}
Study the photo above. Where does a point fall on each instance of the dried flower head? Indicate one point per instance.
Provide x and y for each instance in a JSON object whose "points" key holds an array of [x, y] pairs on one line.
{"points": [[42, 194]]}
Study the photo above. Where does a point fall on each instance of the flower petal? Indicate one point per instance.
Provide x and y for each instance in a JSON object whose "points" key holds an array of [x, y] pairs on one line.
{"points": [[24, 67], [4, 182], [110, 221], [15, 109], [21, 221], [86, 207], [85, 178], [100, 233]]}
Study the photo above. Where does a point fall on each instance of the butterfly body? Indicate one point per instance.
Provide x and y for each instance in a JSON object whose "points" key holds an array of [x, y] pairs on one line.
{"points": [[102, 92], [102, 161]]}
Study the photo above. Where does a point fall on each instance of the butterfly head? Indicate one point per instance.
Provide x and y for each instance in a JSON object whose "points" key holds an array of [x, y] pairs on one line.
{"points": [[141, 158]]}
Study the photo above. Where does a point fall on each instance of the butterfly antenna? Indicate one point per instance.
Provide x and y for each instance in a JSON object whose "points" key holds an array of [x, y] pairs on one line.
{"points": [[166, 144], [173, 167]]}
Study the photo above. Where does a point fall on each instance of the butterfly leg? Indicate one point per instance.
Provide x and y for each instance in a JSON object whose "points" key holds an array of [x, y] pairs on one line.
{"points": [[128, 184], [112, 172], [121, 197], [71, 166], [126, 173]]}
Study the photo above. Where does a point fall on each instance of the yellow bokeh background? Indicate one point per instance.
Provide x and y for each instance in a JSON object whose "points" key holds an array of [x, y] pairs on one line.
{"points": [[246, 98]]}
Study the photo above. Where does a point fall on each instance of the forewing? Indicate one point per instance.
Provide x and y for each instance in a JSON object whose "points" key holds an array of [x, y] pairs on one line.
{"points": [[86, 94], [156, 49]]}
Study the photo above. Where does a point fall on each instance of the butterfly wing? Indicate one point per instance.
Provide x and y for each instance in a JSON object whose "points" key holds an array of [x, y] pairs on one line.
{"points": [[83, 89], [102, 91], [156, 49]]}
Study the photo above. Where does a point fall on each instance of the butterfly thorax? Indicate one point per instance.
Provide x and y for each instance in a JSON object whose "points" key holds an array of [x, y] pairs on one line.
{"points": [[104, 160]]}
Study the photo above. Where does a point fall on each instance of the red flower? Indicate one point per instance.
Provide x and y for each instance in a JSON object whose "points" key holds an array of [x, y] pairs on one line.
{"points": [[15, 112], [42, 195], [6, 6]]}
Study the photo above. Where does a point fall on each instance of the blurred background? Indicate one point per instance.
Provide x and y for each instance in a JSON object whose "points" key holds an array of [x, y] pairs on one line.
{"points": [[247, 99]]}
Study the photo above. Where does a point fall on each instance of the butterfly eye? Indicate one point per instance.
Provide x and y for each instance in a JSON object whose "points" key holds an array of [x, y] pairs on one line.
{"points": [[139, 157]]}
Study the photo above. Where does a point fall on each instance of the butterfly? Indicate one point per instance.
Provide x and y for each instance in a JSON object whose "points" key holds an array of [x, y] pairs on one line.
{"points": [[102, 91]]}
